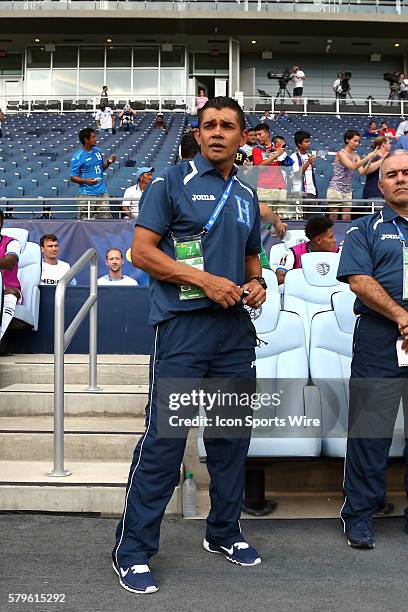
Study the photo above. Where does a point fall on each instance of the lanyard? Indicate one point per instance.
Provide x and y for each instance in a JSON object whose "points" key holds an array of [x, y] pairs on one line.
{"points": [[400, 234], [220, 205]]}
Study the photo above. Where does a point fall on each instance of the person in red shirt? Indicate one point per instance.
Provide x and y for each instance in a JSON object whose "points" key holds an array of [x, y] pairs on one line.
{"points": [[271, 185], [387, 131]]}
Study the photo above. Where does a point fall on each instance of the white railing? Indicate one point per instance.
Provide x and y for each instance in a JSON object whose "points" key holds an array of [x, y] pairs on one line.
{"points": [[186, 104], [174, 6], [293, 208]]}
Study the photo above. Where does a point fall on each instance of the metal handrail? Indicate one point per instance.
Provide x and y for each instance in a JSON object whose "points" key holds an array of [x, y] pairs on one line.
{"points": [[61, 342]]}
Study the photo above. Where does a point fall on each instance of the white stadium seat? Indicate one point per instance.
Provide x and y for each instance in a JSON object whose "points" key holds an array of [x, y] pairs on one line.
{"points": [[331, 343], [29, 275], [308, 290], [292, 238], [282, 365]]}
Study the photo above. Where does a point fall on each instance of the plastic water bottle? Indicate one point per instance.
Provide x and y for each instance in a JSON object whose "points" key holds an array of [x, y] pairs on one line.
{"points": [[189, 496]]}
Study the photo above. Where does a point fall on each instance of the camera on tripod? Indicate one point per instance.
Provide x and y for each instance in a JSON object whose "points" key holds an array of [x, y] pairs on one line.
{"points": [[345, 82], [283, 77]]}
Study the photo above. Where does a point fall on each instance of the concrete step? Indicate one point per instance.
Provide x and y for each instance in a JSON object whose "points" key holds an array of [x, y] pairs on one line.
{"points": [[38, 399], [86, 438], [92, 487], [39, 369]]}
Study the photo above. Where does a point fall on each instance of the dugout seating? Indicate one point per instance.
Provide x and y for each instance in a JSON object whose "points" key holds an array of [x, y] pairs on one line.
{"points": [[331, 340], [29, 274], [308, 290]]}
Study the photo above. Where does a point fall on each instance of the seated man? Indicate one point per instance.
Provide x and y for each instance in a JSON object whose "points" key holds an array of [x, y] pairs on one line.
{"points": [[372, 131], [319, 231], [114, 260], [132, 195], [52, 268], [126, 118], [10, 250]]}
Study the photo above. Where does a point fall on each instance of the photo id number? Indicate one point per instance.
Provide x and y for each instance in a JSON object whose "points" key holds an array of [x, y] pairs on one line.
{"points": [[36, 598]]}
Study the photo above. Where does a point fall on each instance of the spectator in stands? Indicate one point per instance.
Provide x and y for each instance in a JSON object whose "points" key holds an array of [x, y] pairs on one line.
{"points": [[271, 182], [87, 167], [105, 119], [104, 96], [189, 146], [2, 118], [304, 178], [126, 118], [134, 193], [319, 231], [372, 131], [340, 190], [10, 250], [52, 268], [371, 190], [386, 131], [402, 128], [403, 87], [298, 78], [115, 277], [373, 263], [251, 141], [195, 338], [201, 99], [159, 122], [266, 117], [336, 87]]}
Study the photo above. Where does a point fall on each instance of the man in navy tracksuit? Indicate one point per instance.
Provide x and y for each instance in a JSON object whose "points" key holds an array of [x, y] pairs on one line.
{"points": [[374, 261], [201, 331]]}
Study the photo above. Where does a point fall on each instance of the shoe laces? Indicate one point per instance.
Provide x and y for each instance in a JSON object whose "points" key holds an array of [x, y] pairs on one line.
{"points": [[140, 569], [241, 545]]}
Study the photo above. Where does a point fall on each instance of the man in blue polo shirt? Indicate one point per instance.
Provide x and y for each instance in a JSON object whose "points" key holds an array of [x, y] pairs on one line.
{"points": [[374, 262], [87, 167], [198, 236]]}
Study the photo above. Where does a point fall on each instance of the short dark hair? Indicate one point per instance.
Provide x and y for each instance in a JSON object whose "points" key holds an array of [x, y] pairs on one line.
{"points": [[251, 129], [262, 126], [300, 136], [85, 134], [350, 134], [278, 137], [316, 225], [1, 214], [114, 249], [189, 147], [221, 102], [48, 237], [372, 121]]}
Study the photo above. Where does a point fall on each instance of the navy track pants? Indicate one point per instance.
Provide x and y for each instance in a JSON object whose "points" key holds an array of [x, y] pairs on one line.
{"points": [[198, 344], [377, 385]]}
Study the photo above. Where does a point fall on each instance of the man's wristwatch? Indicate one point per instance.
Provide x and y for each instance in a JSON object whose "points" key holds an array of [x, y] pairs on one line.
{"points": [[260, 280]]}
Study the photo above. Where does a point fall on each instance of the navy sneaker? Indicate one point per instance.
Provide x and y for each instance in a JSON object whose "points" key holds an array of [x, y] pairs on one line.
{"points": [[240, 552], [136, 579], [361, 535]]}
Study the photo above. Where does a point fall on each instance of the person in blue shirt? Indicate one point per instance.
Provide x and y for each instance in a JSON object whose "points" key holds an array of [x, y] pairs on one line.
{"points": [[87, 167], [202, 332], [372, 262]]}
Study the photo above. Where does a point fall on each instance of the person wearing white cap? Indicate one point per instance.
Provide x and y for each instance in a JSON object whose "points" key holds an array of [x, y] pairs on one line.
{"points": [[132, 195]]}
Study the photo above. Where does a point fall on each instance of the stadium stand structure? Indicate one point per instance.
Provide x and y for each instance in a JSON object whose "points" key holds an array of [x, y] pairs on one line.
{"points": [[36, 151]]}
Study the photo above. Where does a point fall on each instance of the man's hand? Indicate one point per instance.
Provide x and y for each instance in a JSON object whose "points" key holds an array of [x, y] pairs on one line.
{"points": [[280, 229], [222, 291], [402, 323], [311, 160], [257, 294], [111, 159], [91, 181]]}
